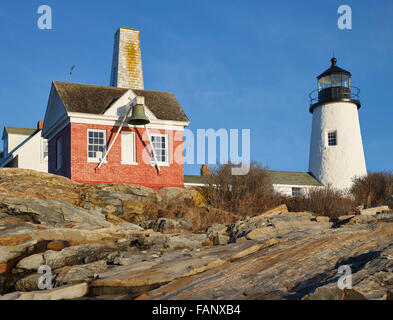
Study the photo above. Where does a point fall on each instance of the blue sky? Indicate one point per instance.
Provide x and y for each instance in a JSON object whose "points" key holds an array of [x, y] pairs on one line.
{"points": [[231, 64]]}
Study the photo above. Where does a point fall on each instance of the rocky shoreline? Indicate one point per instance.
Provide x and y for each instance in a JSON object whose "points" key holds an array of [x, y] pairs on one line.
{"points": [[100, 244]]}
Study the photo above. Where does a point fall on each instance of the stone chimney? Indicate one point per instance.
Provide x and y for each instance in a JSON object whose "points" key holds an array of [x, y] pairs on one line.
{"points": [[127, 60], [40, 125]]}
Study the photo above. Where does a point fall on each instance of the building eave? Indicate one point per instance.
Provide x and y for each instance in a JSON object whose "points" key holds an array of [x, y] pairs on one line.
{"points": [[78, 117]]}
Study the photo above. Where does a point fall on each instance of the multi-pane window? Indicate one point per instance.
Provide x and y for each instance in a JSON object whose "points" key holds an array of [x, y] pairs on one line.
{"points": [[296, 192], [332, 138], [96, 144], [160, 146]]}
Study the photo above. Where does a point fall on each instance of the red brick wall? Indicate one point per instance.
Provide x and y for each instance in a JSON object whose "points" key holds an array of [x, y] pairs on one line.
{"points": [[65, 170], [115, 172]]}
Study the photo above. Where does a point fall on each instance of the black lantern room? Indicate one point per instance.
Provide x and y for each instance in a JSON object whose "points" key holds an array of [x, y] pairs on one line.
{"points": [[334, 85]]}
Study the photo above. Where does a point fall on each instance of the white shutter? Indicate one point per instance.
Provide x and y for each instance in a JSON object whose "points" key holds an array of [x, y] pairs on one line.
{"points": [[128, 153]]}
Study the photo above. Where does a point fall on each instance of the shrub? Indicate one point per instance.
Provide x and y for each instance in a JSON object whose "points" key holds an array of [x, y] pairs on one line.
{"points": [[373, 189], [323, 202], [241, 194], [200, 217]]}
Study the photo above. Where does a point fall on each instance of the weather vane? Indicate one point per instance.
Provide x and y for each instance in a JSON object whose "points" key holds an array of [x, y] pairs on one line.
{"points": [[72, 69]]}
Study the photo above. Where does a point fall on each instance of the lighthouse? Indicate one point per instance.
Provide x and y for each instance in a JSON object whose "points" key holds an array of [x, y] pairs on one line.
{"points": [[336, 149]]}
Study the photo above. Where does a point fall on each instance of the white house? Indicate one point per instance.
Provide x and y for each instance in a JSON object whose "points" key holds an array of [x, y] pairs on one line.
{"points": [[289, 183], [24, 148]]}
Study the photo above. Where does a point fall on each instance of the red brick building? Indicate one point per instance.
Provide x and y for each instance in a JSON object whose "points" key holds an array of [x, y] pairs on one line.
{"points": [[81, 121]]}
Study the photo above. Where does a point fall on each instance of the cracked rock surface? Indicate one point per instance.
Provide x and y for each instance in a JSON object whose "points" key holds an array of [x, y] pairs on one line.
{"points": [[81, 233]]}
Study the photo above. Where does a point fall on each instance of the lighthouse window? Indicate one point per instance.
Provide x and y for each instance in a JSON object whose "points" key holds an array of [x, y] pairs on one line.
{"points": [[332, 138], [345, 81]]}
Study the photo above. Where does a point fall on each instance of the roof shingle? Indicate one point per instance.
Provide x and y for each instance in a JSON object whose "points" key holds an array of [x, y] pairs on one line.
{"points": [[276, 177], [20, 131], [85, 98], [293, 178]]}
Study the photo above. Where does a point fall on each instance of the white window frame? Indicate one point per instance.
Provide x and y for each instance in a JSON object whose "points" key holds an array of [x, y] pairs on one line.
{"points": [[160, 163], [130, 133], [296, 191], [43, 142], [335, 138], [96, 160], [59, 153]]}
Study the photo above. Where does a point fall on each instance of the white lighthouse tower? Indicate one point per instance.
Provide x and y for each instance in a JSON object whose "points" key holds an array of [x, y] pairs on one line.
{"points": [[336, 150]]}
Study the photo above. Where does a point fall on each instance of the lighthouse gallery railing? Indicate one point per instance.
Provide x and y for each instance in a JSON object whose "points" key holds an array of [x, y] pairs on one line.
{"points": [[334, 94]]}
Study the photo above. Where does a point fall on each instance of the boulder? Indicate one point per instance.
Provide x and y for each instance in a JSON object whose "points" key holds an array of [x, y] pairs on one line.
{"points": [[57, 245], [130, 208], [166, 225], [55, 213], [322, 219], [334, 293], [220, 240], [131, 227], [300, 214], [283, 224], [110, 217], [216, 229], [386, 216], [10, 255], [186, 241], [272, 212], [126, 261], [78, 236], [375, 210], [141, 277], [155, 241], [30, 184], [30, 282], [152, 241], [143, 194], [291, 267], [261, 233], [81, 254], [388, 253], [62, 293], [116, 194], [174, 195], [362, 219], [31, 263], [345, 218], [276, 255], [79, 273]]}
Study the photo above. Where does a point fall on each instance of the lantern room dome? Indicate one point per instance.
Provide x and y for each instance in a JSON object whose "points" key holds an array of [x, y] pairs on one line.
{"points": [[334, 69], [334, 85]]}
